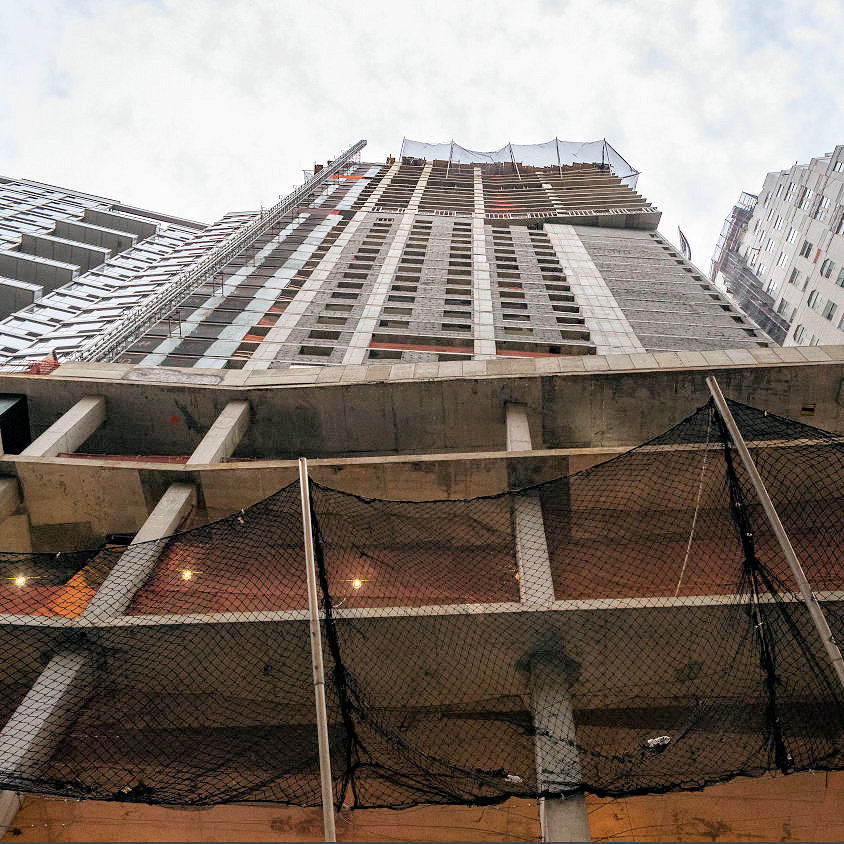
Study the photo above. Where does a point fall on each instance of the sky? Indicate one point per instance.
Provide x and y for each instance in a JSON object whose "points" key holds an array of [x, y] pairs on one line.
{"points": [[198, 107]]}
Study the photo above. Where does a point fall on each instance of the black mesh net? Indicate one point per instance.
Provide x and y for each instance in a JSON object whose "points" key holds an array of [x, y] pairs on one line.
{"points": [[631, 628]]}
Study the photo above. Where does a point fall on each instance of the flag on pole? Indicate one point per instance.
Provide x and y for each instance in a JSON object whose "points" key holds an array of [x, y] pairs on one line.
{"points": [[684, 246]]}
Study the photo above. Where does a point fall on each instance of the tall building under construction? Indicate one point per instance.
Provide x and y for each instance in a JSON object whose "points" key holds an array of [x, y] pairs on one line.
{"points": [[544, 553], [421, 259]]}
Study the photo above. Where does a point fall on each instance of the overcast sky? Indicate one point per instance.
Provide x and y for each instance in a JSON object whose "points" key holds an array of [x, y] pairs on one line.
{"points": [[197, 107]]}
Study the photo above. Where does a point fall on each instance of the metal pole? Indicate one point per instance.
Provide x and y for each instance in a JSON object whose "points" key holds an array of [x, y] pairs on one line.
{"points": [[782, 537], [513, 159], [316, 657]]}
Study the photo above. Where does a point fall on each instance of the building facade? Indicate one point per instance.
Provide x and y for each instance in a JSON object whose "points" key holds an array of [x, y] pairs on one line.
{"points": [[408, 261], [781, 256], [419, 330]]}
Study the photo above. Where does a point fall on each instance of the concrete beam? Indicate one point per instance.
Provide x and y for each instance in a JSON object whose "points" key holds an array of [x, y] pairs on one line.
{"points": [[28, 740], [68, 432], [431, 407], [10, 804], [223, 436], [31, 735], [136, 564]]}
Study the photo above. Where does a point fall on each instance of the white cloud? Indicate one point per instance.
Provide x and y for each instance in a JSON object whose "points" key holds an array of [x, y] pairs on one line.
{"points": [[197, 107]]}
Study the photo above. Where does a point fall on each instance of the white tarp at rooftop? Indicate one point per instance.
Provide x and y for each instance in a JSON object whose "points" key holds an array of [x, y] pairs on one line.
{"points": [[551, 153]]}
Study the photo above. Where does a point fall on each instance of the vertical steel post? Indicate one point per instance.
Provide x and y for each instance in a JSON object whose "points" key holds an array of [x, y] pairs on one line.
{"points": [[316, 657], [809, 599]]}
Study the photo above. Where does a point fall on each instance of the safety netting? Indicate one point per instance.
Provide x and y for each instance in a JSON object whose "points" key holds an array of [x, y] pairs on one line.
{"points": [[631, 628], [553, 153]]}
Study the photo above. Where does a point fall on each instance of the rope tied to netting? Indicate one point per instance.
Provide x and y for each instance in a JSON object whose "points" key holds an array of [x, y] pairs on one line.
{"points": [[751, 570], [339, 675], [697, 502]]}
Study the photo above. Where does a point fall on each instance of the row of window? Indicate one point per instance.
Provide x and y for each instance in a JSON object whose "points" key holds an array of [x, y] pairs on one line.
{"points": [[800, 333], [814, 302]]}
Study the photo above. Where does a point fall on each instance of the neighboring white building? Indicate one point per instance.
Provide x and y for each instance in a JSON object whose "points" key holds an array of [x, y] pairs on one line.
{"points": [[794, 246], [71, 263]]}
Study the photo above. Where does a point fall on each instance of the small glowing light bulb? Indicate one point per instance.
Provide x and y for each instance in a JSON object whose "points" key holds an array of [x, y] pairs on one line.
{"points": [[187, 574], [20, 580], [357, 583]]}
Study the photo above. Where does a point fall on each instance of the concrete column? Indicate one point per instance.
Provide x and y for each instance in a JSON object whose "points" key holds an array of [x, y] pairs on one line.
{"points": [[68, 432], [557, 763], [223, 436], [483, 324]]}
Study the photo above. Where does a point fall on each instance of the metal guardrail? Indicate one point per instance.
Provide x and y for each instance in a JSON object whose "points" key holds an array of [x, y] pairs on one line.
{"points": [[131, 327]]}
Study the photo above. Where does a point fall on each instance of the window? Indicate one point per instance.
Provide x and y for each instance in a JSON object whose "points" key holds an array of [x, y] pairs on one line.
{"points": [[794, 278], [838, 167], [827, 267], [805, 198], [778, 222], [823, 207], [838, 228], [792, 235], [799, 333], [782, 259], [829, 310], [779, 189], [806, 249], [814, 341], [783, 307], [769, 246], [840, 280], [813, 300]]}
